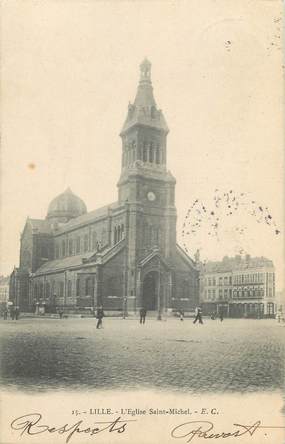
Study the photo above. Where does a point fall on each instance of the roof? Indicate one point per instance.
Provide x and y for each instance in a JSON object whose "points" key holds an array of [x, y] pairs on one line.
{"points": [[185, 257], [87, 218], [98, 257], [229, 264], [40, 225], [62, 264], [66, 204]]}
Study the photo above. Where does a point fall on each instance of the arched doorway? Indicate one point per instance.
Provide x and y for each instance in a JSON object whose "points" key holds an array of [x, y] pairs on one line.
{"points": [[149, 293]]}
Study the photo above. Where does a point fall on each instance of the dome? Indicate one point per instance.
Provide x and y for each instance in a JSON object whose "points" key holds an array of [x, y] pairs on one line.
{"points": [[66, 206]]}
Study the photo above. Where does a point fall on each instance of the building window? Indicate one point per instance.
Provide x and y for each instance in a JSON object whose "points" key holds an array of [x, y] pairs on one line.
{"points": [[220, 281], [214, 281], [69, 289], [209, 281], [230, 280], [230, 293], [78, 245], [270, 308], [220, 294], [225, 280], [225, 293]]}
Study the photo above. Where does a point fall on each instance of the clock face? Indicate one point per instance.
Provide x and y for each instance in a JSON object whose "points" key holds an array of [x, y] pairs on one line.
{"points": [[151, 196]]}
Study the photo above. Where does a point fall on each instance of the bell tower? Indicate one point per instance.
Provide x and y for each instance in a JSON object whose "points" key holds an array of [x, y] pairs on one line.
{"points": [[145, 184]]}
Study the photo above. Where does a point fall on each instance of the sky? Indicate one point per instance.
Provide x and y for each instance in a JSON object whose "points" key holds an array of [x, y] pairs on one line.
{"points": [[69, 69]]}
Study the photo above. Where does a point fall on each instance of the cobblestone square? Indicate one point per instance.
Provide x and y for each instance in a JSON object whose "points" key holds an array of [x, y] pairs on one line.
{"points": [[231, 356]]}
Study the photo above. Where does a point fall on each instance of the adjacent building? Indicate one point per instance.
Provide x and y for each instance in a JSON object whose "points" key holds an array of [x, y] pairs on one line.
{"points": [[4, 290], [122, 256], [239, 287]]}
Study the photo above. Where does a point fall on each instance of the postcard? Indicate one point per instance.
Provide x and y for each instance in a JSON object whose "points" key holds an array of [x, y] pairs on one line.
{"points": [[142, 222]]}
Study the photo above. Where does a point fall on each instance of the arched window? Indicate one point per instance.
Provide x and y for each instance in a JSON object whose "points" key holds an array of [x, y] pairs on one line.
{"points": [[47, 290], [41, 290], [133, 151], [145, 152], [61, 289], [44, 251], [56, 251], [85, 243], [36, 291], [104, 236], [89, 286], [122, 231], [157, 153], [151, 152], [70, 247], [63, 248], [119, 233], [52, 288], [77, 287], [94, 240], [69, 289], [78, 245], [115, 235]]}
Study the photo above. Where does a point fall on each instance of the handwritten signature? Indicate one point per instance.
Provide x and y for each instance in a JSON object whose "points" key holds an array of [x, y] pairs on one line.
{"points": [[30, 425], [205, 429]]}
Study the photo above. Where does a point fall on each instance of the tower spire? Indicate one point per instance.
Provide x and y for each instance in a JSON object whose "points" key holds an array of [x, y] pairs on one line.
{"points": [[145, 68], [144, 111]]}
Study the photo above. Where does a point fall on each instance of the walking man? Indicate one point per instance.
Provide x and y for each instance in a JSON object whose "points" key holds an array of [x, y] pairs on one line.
{"points": [[17, 313], [100, 315], [142, 315], [198, 316]]}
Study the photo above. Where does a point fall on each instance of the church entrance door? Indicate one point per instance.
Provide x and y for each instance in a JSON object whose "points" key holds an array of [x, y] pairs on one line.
{"points": [[149, 296]]}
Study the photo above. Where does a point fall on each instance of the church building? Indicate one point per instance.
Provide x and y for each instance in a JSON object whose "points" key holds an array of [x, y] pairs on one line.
{"points": [[122, 256]]}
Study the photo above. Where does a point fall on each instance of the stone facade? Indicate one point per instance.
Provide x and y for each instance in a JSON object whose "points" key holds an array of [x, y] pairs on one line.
{"points": [[123, 256], [239, 287]]}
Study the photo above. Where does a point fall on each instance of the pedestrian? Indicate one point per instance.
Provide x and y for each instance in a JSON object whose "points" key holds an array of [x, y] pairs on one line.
{"points": [[142, 315], [198, 316], [181, 315], [213, 316], [221, 316], [17, 313], [12, 313], [5, 314], [100, 315], [60, 312]]}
